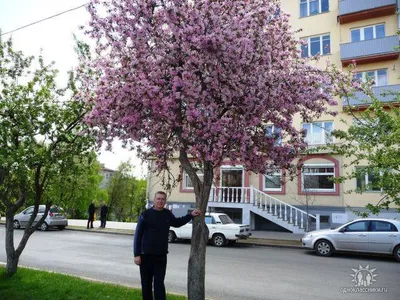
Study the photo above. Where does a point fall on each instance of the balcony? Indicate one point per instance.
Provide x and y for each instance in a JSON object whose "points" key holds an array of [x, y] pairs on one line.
{"points": [[384, 94], [370, 51], [356, 10]]}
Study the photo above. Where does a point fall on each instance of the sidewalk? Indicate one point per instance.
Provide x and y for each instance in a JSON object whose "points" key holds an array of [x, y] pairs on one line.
{"points": [[259, 237]]}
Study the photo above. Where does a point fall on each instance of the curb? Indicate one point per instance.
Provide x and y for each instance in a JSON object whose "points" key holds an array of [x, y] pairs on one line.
{"points": [[95, 230], [250, 242]]}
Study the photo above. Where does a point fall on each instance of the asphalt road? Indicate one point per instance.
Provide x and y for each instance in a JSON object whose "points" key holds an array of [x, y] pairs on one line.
{"points": [[232, 273]]}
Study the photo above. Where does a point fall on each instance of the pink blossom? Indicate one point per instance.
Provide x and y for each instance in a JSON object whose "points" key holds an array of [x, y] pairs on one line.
{"points": [[204, 77]]}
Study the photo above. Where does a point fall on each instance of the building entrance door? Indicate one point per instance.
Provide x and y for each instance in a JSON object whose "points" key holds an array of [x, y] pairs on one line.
{"points": [[231, 184]]}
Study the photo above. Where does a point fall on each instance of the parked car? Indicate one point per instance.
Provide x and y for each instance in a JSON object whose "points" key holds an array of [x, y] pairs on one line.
{"points": [[363, 235], [55, 218], [222, 230]]}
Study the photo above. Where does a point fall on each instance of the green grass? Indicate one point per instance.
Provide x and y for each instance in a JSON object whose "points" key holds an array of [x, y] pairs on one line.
{"points": [[30, 284]]}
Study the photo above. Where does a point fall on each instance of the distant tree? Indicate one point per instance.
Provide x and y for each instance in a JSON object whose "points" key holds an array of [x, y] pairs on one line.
{"points": [[372, 143], [125, 193], [40, 135], [137, 203], [77, 185], [201, 80], [119, 190]]}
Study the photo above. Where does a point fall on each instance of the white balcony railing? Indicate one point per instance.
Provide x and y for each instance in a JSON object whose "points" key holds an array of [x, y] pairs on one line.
{"points": [[230, 194]]}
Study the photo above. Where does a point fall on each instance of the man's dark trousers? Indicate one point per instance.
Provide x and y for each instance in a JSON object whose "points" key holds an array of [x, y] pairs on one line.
{"points": [[153, 266]]}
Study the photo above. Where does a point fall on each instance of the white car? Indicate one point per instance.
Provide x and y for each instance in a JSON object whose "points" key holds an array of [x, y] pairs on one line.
{"points": [[222, 230], [369, 235]]}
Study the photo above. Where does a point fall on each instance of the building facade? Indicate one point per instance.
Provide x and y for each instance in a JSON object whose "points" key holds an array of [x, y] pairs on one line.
{"points": [[107, 174], [342, 32]]}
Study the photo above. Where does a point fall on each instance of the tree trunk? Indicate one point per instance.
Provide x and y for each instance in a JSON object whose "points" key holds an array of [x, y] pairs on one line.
{"points": [[197, 261], [12, 265], [12, 257], [197, 258], [12, 253]]}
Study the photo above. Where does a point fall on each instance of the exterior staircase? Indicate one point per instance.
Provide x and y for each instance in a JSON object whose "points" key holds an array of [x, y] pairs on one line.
{"points": [[264, 205]]}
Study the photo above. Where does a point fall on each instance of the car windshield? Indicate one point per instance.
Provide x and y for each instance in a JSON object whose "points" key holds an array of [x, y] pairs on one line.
{"points": [[225, 219]]}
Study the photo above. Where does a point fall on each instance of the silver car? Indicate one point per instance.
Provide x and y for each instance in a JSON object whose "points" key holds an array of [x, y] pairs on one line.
{"points": [[362, 235], [56, 217]]}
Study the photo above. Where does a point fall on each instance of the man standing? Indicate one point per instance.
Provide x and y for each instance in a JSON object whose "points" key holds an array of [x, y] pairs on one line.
{"points": [[150, 246], [91, 210], [103, 214]]}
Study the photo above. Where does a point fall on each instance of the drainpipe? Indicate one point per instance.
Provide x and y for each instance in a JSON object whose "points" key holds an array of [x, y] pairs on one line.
{"points": [[398, 14], [148, 182]]}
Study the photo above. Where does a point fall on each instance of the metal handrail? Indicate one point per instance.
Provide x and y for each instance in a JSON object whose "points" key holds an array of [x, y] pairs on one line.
{"points": [[286, 204]]}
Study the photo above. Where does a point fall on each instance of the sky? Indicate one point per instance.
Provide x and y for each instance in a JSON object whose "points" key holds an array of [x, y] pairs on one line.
{"points": [[54, 39]]}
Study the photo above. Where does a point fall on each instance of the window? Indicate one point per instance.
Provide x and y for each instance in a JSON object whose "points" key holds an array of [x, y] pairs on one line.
{"points": [[368, 33], [318, 133], [357, 227], [367, 182], [209, 220], [316, 45], [318, 178], [273, 181], [382, 226], [56, 209], [29, 211], [322, 219], [187, 183], [225, 219], [313, 7], [379, 77], [275, 132]]}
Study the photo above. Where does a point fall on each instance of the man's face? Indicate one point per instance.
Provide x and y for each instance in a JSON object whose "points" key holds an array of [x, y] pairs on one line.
{"points": [[159, 201]]}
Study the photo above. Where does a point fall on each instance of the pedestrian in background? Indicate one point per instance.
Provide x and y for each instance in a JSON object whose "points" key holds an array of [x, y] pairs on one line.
{"points": [[103, 214], [91, 211], [150, 246]]}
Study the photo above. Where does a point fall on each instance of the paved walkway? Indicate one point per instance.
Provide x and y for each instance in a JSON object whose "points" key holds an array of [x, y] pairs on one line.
{"points": [[259, 237]]}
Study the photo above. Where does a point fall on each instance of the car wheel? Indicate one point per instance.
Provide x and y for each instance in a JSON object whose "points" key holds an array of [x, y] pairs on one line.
{"points": [[61, 227], [396, 252], [16, 224], [219, 240], [171, 236], [44, 226], [324, 248]]}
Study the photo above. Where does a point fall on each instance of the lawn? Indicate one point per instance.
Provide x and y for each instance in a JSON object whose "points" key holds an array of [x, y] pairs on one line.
{"points": [[30, 284]]}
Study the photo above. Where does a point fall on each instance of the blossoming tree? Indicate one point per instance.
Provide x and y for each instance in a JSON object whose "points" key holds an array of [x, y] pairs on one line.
{"points": [[201, 80]]}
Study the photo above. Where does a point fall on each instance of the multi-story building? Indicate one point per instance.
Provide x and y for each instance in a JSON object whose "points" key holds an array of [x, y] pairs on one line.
{"points": [[343, 32], [107, 174]]}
